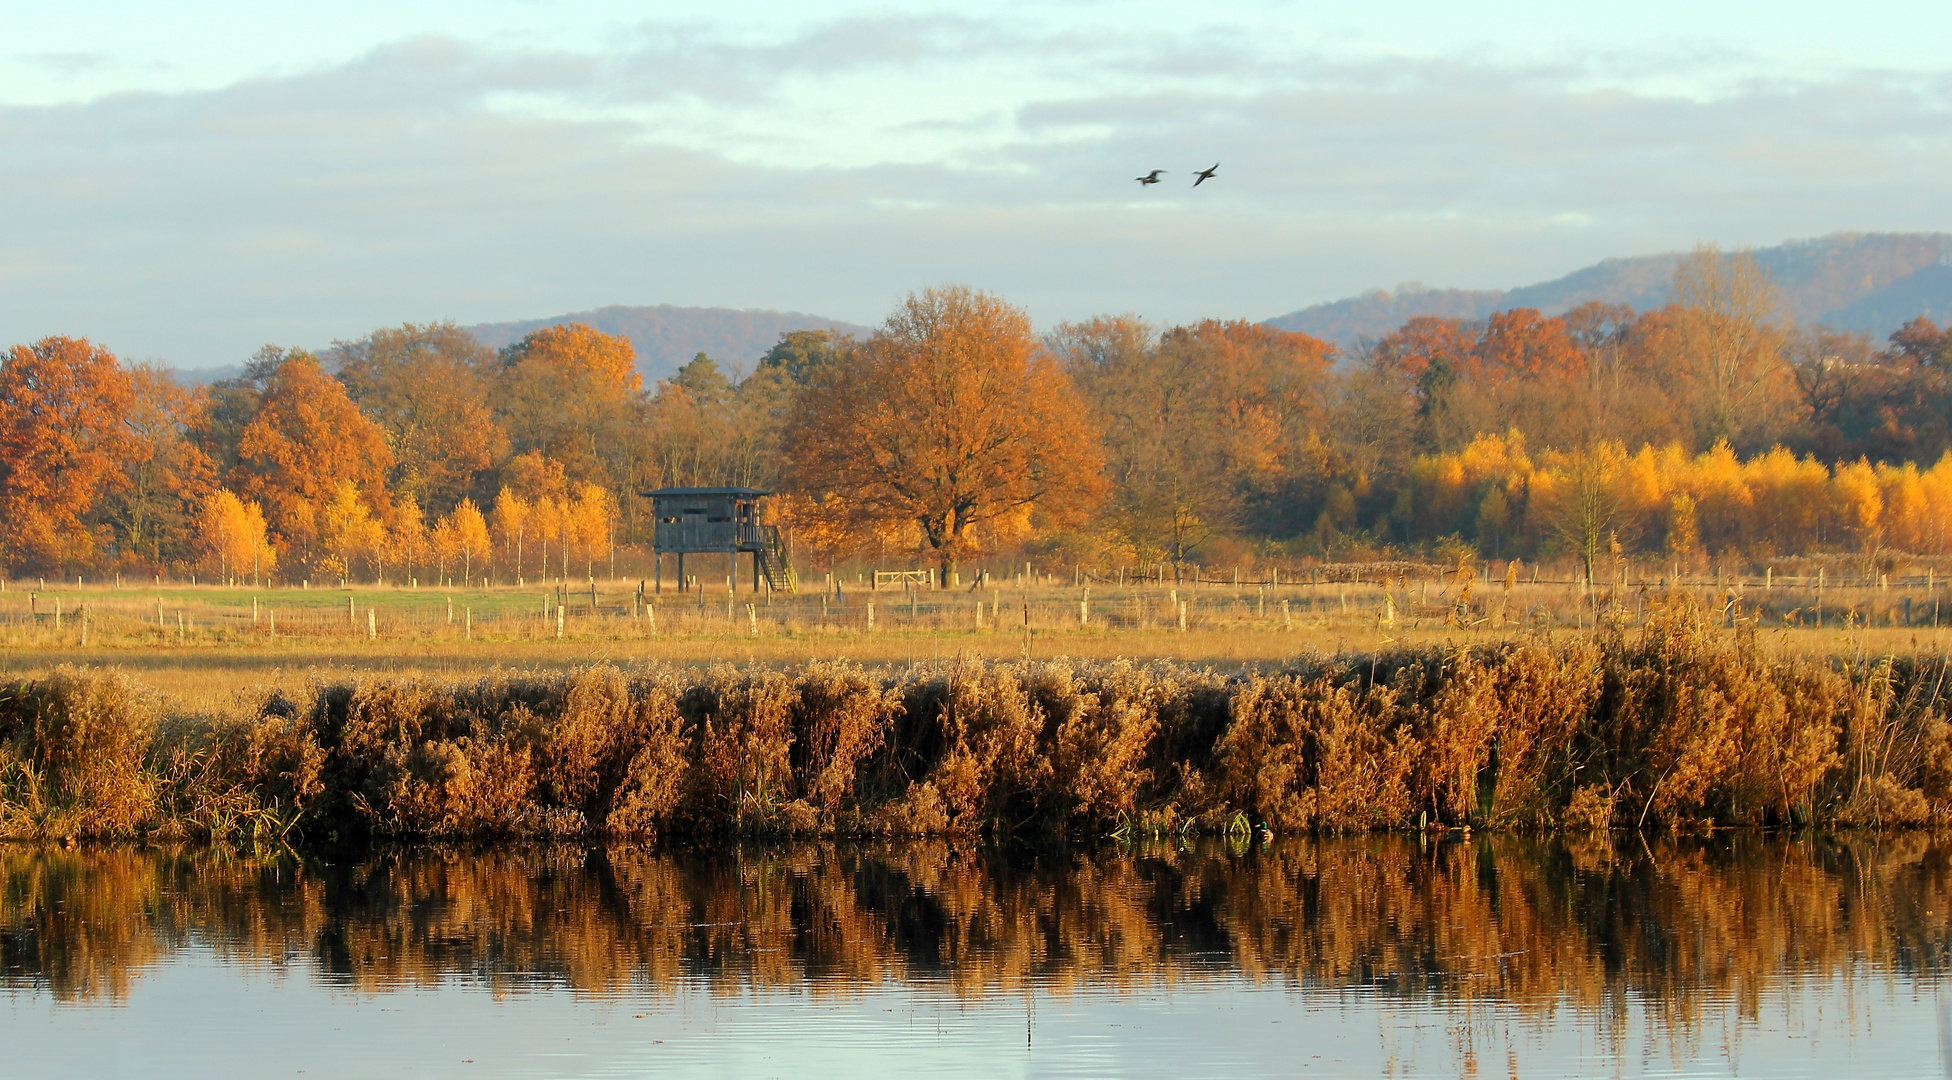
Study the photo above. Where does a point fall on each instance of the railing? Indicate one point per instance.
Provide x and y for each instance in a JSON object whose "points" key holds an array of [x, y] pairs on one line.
{"points": [[774, 560]]}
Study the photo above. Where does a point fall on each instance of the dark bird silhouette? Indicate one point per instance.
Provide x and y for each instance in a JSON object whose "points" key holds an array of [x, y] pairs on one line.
{"points": [[1206, 174], [1150, 178]]}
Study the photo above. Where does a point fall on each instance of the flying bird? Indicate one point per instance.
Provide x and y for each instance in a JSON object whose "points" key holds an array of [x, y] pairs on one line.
{"points": [[1149, 178], [1206, 174]]}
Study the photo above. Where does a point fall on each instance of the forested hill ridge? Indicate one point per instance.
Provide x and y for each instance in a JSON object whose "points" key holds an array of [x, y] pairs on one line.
{"points": [[1862, 282], [666, 336]]}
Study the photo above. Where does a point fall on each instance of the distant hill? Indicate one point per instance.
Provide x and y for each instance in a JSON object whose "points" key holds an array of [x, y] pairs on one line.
{"points": [[1870, 282], [204, 376], [666, 337]]}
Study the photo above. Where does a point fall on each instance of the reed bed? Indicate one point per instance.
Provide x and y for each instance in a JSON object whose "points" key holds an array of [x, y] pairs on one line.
{"points": [[1675, 722]]}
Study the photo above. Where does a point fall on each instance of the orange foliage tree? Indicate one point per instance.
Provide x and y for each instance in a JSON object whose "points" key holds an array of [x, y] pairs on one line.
{"points": [[62, 440], [1197, 423], [953, 418], [569, 392], [424, 386], [306, 440]]}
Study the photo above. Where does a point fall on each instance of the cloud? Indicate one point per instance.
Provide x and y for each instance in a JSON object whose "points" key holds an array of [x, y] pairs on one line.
{"points": [[431, 178], [64, 63]]}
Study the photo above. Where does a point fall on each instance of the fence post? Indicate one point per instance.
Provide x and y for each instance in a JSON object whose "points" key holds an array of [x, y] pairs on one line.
{"points": [[870, 616], [372, 626]]}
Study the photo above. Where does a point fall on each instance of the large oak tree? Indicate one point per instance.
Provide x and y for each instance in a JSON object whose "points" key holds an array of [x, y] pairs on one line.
{"points": [[951, 419]]}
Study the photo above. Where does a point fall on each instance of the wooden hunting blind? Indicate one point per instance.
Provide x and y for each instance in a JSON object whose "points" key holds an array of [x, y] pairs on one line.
{"points": [[718, 520]]}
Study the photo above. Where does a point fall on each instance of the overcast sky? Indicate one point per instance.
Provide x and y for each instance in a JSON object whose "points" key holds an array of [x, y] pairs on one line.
{"points": [[187, 181]]}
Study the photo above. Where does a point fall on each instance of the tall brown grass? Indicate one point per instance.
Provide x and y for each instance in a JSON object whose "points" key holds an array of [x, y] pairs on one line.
{"points": [[1674, 724]]}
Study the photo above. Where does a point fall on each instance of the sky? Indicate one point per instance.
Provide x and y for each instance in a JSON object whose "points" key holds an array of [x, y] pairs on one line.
{"points": [[187, 182]]}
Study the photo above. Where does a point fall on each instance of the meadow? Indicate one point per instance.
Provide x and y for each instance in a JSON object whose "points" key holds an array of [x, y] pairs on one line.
{"points": [[203, 643]]}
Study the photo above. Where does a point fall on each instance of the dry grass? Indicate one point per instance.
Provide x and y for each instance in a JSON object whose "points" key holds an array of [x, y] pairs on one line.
{"points": [[1675, 723], [233, 641]]}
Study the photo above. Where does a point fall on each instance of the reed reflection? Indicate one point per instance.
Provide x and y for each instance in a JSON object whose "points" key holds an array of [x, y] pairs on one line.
{"points": [[1540, 924]]}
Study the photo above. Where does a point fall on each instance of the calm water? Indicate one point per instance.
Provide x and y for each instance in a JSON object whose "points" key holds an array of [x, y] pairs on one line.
{"points": [[1751, 956]]}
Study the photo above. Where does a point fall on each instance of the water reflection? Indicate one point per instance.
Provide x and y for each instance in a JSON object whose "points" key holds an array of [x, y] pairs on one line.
{"points": [[1681, 935]]}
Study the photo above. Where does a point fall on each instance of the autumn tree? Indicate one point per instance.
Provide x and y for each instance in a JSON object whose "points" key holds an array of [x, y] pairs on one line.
{"points": [[568, 392], [1726, 342], [63, 438], [953, 419], [304, 442], [406, 535], [424, 386], [510, 519], [1169, 492], [1624, 398], [231, 536], [1201, 423], [165, 476], [465, 532], [347, 530], [541, 485], [587, 524], [1581, 501], [695, 435], [800, 354], [549, 520]]}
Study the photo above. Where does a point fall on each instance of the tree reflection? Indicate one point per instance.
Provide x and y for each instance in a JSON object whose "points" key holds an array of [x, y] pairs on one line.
{"points": [[1539, 924]]}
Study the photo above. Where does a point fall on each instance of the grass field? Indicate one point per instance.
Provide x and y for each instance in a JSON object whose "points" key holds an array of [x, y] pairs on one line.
{"points": [[201, 644]]}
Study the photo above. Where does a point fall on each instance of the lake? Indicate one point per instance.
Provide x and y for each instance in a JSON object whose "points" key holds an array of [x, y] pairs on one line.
{"points": [[1735, 955]]}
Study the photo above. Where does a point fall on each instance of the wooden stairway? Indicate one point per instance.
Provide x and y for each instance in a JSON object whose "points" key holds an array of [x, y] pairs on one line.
{"points": [[774, 563]]}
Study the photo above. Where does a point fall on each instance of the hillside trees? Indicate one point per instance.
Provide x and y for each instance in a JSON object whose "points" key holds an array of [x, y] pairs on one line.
{"points": [[62, 441], [952, 419]]}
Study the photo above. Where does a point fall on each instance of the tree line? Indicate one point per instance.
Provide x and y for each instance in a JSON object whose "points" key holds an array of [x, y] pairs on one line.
{"points": [[1707, 427]]}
